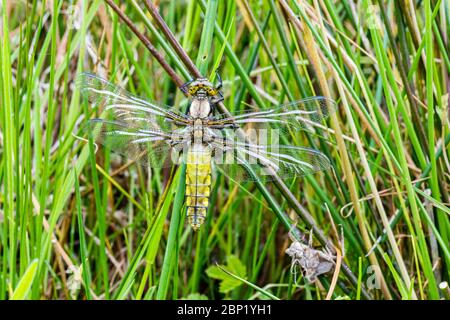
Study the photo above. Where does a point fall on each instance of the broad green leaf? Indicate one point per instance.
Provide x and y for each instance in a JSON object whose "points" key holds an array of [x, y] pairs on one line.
{"points": [[228, 283]]}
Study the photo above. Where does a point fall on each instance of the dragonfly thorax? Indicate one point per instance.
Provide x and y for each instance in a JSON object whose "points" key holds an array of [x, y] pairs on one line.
{"points": [[200, 108]]}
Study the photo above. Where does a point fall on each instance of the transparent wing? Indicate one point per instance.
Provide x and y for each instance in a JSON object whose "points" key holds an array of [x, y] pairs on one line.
{"points": [[260, 150], [136, 129], [297, 115], [145, 147], [248, 162], [126, 107]]}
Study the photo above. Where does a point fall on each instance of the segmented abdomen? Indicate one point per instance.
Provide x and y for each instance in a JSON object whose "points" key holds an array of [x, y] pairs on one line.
{"points": [[198, 184]]}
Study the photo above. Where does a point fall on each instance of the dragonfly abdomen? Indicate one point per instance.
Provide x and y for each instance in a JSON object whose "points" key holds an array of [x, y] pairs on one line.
{"points": [[198, 184]]}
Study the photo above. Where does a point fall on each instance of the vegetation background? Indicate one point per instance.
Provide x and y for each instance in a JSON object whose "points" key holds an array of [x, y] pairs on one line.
{"points": [[80, 225]]}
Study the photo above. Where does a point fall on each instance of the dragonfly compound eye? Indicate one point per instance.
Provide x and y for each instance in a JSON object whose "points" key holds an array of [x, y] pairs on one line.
{"points": [[193, 90], [212, 92]]}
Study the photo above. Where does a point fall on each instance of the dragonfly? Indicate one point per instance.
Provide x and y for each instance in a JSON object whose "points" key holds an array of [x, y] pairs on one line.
{"points": [[245, 146]]}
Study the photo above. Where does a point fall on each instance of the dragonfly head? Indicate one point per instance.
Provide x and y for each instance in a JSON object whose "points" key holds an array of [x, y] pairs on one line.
{"points": [[201, 89]]}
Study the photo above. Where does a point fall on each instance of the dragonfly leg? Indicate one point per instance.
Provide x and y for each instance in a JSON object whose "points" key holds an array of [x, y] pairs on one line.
{"points": [[218, 98], [184, 87], [219, 78]]}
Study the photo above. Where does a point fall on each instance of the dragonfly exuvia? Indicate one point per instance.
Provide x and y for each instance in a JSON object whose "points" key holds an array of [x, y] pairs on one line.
{"points": [[244, 146]]}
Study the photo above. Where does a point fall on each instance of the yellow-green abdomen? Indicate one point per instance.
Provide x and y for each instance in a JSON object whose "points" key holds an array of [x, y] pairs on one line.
{"points": [[198, 183]]}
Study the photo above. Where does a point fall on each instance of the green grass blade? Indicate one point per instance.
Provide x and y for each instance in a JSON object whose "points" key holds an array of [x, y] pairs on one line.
{"points": [[24, 286]]}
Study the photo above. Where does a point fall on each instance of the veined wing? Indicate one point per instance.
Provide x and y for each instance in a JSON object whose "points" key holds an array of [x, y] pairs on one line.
{"points": [[134, 128], [259, 149], [126, 107], [146, 147], [297, 114], [236, 158]]}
